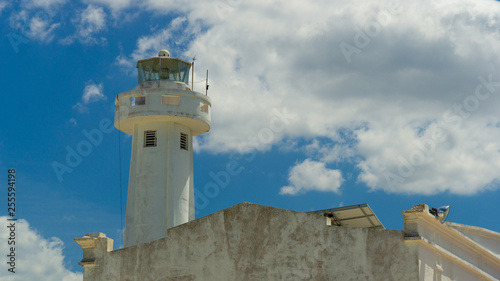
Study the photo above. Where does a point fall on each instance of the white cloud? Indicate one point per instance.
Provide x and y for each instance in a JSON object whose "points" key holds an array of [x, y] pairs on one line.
{"points": [[88, 23], [91, 20], [37, 258], [329, 152], [42, 29], [312, 175], [149, 45], [72, 121], [114, 4], [3, 4], [123, 61], [169, 5], [91, 94], [409, 65], [80, 107], [161, 6], [43, 3], [36, 27], [443, 157]]}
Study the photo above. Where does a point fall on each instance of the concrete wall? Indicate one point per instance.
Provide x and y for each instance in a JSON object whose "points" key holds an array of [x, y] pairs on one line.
{"points": [[253, 242]]}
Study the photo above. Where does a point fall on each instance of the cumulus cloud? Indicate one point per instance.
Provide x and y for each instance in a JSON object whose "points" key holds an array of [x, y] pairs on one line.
{"points": [[72, 121], [91, 21], [441, 157], [114, 4], [312, 175], [36, 27], [118, 6], [37, 258], [370, 81], [42, 3], [42, 29], [88, 23], [173, 37], [329, 152], [91, 93], [3, 4]]}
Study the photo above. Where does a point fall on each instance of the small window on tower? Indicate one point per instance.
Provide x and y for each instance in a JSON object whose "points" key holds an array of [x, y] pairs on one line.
{"points": [[149, 138], [172, 100], [203, 107], [184, 141], [138, 101]]}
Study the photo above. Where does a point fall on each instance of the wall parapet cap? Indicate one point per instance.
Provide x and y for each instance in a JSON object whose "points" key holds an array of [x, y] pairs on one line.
{"points": [[94, 246], [87, 262]]}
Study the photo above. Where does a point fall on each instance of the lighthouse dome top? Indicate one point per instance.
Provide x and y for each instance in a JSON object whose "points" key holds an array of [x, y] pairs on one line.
{"points": [[164, 53], [163, 67]]}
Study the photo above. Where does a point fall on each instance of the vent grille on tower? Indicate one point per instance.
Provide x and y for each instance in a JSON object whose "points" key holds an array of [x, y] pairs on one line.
{"points": [[149, 138], [184, 141]]}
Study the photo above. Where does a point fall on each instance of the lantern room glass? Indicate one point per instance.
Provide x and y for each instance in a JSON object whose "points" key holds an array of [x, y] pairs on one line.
{"points": [[163, 69]]}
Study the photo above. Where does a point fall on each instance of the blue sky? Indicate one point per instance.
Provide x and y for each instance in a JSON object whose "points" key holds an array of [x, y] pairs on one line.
{"points": [[319, 104]]}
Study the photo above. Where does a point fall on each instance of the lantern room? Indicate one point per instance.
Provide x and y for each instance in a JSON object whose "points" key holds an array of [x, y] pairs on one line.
{"points": [[163, 67]]}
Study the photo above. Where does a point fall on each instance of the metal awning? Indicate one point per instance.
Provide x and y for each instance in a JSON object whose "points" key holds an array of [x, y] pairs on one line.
{"points": [[352, 216]]}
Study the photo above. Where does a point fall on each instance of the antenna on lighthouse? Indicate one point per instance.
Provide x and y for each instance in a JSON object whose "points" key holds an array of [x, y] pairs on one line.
{"points": [[206, 85], [192, 73]]}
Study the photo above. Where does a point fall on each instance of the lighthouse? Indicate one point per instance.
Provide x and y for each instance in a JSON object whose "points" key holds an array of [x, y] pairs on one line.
{"points": [[162, 114]]}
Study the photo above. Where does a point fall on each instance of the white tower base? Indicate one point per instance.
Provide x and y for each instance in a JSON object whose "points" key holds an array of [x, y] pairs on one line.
{"points": [[160, 193]]}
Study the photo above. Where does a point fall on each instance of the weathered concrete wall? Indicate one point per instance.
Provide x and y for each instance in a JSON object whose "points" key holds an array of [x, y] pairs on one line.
{"points": [[253, 242]]}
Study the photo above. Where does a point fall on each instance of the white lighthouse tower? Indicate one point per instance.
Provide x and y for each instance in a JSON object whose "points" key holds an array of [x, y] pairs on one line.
{"points": [[162, 114]]}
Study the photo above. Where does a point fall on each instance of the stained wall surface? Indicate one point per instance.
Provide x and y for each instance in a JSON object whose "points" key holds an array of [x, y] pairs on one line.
{"points": [[254, 242]]}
